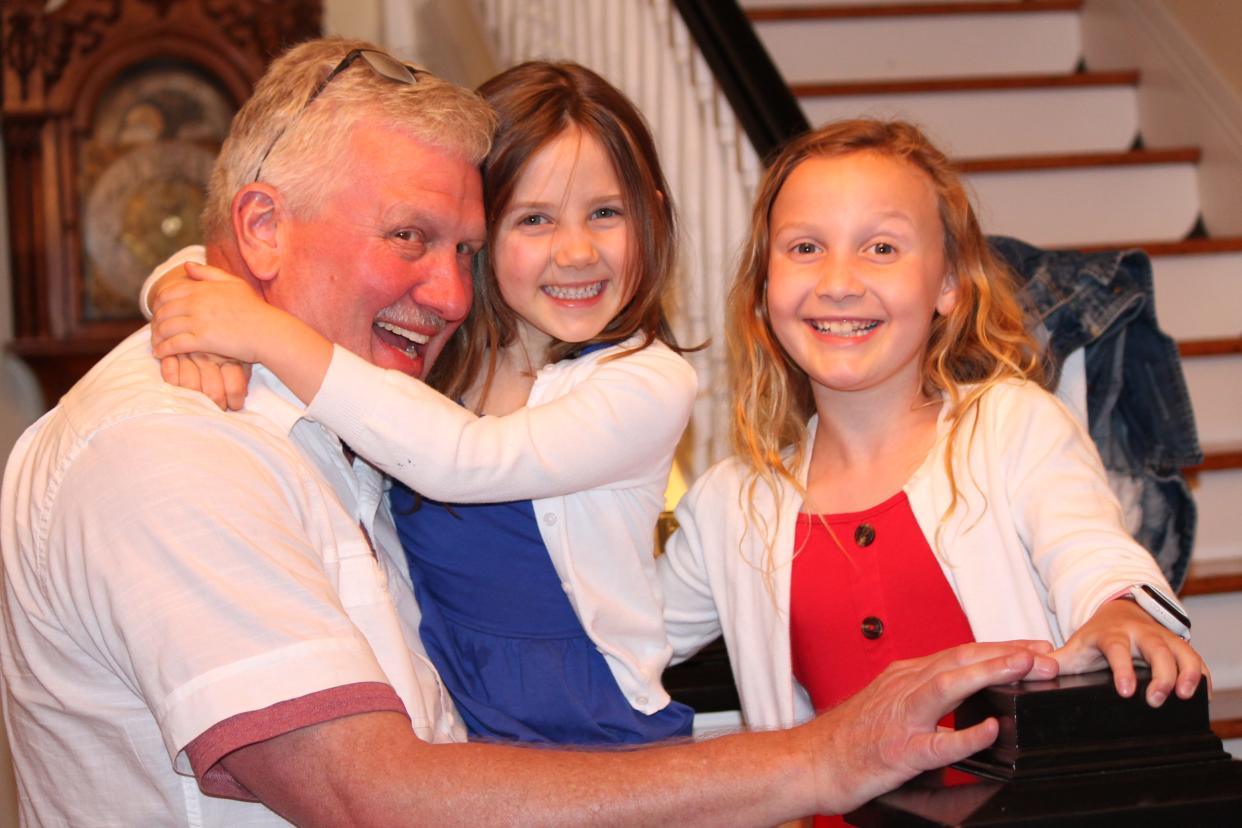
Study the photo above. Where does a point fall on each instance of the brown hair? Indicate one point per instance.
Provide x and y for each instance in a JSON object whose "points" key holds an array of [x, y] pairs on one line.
{"points": [[308, 143], [982, 341], [535, 103]]}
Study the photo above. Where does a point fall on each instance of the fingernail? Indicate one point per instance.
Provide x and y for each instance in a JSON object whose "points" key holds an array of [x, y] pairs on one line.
{"points": [[1155, 698]]}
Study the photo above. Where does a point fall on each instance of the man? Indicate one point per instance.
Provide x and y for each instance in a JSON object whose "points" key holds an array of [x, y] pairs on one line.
{"points": [[203, 610]]}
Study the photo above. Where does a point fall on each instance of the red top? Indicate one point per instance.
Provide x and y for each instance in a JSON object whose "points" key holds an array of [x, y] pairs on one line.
{"points": [[876, 597]]}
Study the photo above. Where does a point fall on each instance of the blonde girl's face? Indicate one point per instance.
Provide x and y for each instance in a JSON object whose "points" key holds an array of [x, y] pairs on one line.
{"points": [[856, 272], [562, 245]]}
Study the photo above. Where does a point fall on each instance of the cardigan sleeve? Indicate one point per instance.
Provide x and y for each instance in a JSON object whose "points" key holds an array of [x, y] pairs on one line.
{"points": [[619, 422], [691, 616], [1066, 514]]}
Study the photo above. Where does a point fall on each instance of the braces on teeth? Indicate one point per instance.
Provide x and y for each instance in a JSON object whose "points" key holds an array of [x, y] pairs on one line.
{"points": [[584, 292]]}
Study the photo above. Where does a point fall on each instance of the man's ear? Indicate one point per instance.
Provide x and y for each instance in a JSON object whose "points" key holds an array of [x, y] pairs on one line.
{"points": [[257, 212]]}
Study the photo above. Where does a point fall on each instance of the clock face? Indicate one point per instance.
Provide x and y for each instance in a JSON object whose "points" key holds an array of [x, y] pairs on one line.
{"points": [[143, 182]]}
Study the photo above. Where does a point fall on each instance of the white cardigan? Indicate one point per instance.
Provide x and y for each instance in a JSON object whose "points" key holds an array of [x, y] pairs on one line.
{"points": [[1045, 553], [592, 449]]}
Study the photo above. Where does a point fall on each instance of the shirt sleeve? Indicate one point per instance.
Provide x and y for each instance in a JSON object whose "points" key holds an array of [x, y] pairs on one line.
{"points": [[1066, 513], [691, 616], [249, 728], [180, 558], [611, 429]]}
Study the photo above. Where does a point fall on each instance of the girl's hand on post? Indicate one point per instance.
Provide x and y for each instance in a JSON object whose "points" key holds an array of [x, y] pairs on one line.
{"points": [[1119, 631]]}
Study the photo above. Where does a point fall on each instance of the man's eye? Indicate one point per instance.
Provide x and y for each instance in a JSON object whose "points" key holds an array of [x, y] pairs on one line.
{"points": [[404, 235], [465, 249]]}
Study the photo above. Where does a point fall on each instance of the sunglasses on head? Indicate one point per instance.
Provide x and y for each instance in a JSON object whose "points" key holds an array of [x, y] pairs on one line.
{"points": [[386, 66]]}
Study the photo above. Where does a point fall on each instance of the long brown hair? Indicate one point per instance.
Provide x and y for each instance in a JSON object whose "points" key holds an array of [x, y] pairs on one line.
{"points": [[982, 341], [535, 103]]}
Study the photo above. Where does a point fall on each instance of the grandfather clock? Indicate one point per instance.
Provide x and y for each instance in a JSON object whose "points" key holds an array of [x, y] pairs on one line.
{"points": [[114, 111]]}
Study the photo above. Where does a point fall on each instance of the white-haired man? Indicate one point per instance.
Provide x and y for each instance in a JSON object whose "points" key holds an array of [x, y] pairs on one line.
{"points": [[206, 622]]}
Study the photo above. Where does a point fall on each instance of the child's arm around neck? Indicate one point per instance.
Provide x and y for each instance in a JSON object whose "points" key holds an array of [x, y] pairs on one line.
{"points": [[214, 312]]}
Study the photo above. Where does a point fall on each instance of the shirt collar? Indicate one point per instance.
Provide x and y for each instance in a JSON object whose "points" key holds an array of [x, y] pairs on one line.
{"points": [[271, 398]]}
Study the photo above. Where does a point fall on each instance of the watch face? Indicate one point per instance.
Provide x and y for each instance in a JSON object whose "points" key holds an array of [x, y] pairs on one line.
{"points": [[143, 182]]}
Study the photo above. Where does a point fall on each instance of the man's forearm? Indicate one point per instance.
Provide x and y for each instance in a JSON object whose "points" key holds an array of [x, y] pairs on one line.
{"points": [[748, 779]]}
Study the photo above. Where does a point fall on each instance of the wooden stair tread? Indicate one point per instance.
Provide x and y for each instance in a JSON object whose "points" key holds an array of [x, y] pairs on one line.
{"points": [[1186, 247], [1184, 155], [911, 9], [1220, 346], [1226, 713], [967, 84], [1218, 459], [1212, 577]]}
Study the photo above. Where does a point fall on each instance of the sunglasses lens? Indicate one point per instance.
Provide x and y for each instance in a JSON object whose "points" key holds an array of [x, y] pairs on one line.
{"points": [[388, 66]]}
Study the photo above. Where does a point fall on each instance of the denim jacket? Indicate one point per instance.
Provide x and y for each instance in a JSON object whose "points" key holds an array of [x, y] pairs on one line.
{"points": [[1138, 406]]}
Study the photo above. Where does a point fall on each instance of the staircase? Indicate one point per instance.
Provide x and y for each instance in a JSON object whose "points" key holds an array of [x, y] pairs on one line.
{"points": [[1055, 157]]}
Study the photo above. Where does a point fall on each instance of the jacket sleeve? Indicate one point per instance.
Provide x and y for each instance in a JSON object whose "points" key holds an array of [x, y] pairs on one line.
{"points": [[691, 616], [1066, 513], [612, 429]]}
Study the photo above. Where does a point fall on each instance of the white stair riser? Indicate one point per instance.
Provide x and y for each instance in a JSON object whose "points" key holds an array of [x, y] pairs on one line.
{"points": [[1198, 297], [923, 46], [1218, 494], [1064, 207], [1215, 621], [992, 123], [1216, 395]]}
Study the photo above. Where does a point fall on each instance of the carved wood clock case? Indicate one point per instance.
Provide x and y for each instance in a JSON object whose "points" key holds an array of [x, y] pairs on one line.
{"points": [[114, 111]]}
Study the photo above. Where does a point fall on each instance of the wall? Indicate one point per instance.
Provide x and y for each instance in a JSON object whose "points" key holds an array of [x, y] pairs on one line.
{"points": [[1216, 28]]}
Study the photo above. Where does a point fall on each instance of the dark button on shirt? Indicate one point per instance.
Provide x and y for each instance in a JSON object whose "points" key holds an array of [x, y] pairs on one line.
{"points": [[872, 627], [864, 534]]}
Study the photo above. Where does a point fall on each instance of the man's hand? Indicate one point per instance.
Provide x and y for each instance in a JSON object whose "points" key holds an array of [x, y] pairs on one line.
{"points": [[888, 733], [1119, 631]]}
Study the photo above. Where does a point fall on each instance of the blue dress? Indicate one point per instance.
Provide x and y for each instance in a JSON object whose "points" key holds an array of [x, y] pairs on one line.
{"points": [[504, 636]]}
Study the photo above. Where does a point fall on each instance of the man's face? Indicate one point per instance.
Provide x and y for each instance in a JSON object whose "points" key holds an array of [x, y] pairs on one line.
{"points": [[384, 268]]}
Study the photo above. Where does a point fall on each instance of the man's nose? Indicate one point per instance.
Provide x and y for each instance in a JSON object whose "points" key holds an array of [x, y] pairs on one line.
{"points": [[574, 247], [447, 289]]}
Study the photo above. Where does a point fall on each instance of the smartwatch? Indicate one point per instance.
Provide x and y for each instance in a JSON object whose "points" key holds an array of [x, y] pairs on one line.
{"points": [[1167, 612]]}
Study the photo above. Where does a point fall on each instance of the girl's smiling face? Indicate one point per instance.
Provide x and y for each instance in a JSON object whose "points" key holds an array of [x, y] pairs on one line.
{"points": [[856, 271], [562, 246]]}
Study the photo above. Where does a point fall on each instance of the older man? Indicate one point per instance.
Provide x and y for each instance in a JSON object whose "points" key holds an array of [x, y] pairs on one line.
{"points": [[205, 616]]}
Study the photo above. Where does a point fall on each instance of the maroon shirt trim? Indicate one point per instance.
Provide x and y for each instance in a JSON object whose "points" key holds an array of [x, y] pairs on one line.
{"points": [[253, 726]]}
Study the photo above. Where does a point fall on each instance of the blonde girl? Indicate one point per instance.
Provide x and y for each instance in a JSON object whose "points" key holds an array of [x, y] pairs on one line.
{"points": [[901, 481]]}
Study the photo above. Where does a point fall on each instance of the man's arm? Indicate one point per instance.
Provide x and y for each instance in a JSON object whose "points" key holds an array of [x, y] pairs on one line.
{"points": [[370, 769]]}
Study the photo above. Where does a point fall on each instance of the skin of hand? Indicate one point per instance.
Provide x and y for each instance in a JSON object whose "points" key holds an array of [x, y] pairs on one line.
{"points": [[887, 733], [223, 380], [370, 769], [217, 317], [1120, 630]]}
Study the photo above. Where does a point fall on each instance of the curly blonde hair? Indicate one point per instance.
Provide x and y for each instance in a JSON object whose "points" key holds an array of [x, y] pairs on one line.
{"points": [[982, 341]]}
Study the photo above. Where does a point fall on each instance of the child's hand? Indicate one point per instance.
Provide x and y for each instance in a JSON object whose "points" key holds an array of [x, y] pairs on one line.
{"points": [[1121, 630], [223, 380], [211, 312]]}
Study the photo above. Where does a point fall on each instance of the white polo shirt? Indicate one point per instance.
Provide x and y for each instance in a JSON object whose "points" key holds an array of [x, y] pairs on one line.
{"points": [[168, 566]]}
